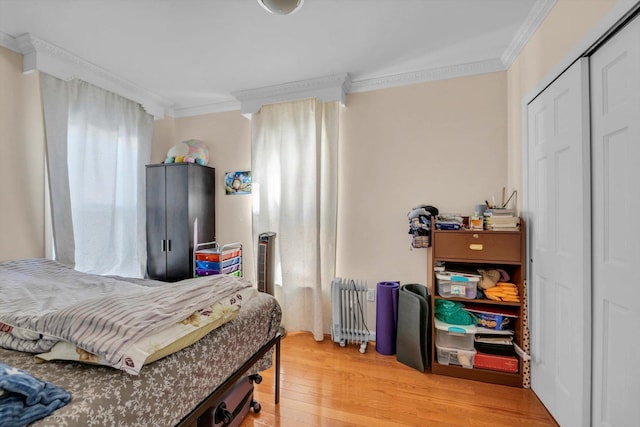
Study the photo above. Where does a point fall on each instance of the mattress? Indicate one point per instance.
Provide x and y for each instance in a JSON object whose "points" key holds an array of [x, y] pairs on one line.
{"points": [[165, 391]]}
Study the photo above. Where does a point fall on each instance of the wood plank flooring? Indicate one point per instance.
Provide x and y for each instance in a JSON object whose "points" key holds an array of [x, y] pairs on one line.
{"points": [[322, 384]]}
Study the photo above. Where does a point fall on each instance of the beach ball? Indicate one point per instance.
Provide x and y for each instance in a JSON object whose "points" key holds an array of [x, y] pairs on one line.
{"points": [[197, 150]]}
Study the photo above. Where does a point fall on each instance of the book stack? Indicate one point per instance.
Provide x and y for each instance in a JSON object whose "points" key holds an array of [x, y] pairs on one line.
{"points": [[501, 220]]}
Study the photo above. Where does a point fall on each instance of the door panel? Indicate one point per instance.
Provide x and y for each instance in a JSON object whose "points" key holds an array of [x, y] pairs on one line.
{"points": [[178, 250], [558, 153], [615, 99], [201, 202], [156, 223]]}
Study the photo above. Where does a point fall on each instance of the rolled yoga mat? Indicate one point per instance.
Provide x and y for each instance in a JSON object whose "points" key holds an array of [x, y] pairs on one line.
{"points": [[412, 339], [387, 317]]}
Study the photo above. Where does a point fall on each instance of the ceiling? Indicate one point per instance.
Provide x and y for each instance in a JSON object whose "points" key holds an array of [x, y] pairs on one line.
{"points": [[192, 56]]}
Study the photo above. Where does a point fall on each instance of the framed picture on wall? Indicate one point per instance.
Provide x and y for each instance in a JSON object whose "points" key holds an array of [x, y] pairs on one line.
{"points": [[238, 182]]}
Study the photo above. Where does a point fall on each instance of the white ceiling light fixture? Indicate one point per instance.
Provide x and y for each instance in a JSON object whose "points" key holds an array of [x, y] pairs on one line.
{"points": [[281, 7]]}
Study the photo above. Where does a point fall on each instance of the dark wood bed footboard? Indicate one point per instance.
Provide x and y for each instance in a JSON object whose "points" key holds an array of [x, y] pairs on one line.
{"points": [[191, 420]]}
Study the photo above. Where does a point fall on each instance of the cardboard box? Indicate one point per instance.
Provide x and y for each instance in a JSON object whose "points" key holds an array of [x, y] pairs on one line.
{"points": [[495, 362], [493, 318]]}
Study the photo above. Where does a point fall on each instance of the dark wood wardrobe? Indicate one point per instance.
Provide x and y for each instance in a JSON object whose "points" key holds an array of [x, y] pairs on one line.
{"points": [[180, 201]]}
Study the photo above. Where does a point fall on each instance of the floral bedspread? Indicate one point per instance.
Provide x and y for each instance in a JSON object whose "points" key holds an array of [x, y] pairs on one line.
{"points": [[166, 390], [44, 302]]}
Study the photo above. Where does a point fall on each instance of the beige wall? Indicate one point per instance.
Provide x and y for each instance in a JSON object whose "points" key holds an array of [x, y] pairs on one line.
{"points": [[441, 143], [22, 171], [163, 138], [565, 26], [449, 143], [228, 137]]}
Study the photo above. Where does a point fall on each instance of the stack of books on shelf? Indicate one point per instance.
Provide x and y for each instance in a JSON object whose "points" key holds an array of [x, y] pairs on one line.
{"points": [[501, 220]]}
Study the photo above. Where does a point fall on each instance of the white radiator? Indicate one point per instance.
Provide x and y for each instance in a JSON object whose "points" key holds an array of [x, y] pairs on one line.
{"points": [[349, 306]]}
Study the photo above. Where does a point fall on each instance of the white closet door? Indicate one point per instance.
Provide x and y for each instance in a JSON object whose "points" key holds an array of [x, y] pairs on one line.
{"points": [[616, 240], [559, 246]]}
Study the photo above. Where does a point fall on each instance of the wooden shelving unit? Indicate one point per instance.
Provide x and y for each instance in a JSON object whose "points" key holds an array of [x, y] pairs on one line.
{"points": [[469, 250]]}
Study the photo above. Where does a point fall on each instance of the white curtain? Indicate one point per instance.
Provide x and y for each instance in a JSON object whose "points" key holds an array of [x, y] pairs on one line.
{"points": [[294, 169], [97, 146]]}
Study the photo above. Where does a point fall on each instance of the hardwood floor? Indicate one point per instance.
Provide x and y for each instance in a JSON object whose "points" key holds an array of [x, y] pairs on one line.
{"points": [[322, 384]]}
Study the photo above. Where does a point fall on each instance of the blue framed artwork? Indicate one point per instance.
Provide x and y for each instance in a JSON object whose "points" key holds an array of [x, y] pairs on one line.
{"points": [[238, 182]]}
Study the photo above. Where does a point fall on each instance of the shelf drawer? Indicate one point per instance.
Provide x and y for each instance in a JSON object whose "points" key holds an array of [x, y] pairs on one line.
{"points": [[478, 246]]}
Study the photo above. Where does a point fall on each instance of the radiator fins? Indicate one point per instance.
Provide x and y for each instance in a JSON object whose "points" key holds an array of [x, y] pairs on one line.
{"points": [[349, 308]]}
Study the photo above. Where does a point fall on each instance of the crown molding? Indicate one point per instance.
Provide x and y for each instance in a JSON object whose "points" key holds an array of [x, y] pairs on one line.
{"points": [[217, 107], [327, 89], [43, 56], [421, 76], [250, 101], [9, 42], [536, 16]]}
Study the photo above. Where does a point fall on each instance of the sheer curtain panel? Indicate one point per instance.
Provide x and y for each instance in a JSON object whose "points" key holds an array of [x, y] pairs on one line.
{"points": [[97, 146], [294, 156]]}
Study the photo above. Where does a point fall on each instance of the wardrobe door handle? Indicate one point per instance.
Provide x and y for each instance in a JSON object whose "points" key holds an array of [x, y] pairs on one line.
{"points": [[168, 245], [163, 245]]}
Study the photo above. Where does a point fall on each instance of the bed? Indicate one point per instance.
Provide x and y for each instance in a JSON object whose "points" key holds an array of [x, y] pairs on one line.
{"points": [[174, 390]]}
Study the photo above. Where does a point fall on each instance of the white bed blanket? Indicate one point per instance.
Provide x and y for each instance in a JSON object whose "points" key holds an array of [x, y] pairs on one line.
{"points": [[43, 302]]}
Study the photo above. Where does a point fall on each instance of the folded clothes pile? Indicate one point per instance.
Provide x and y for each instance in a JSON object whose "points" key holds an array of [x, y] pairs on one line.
{"points": [[24, 399], [453, 313], [420, 225], [449, 222]]}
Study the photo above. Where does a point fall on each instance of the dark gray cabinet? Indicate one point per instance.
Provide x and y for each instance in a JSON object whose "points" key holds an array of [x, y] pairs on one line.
{"points": [[178, 196]]}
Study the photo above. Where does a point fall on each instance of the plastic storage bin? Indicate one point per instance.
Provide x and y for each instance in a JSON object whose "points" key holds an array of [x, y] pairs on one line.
{"points": [[210, 258], [457, 285], [225, 270], [215, 265], [455, 356], [215, 255], [455, 336]]}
